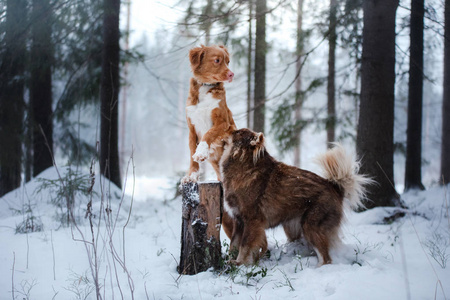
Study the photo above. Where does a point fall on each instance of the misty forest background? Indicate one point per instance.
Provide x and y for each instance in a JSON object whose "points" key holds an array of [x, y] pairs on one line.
{"points": [[373, 75]]}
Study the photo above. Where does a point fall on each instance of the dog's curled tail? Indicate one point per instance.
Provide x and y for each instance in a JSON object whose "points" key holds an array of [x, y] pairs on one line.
{"points": [[342, 169]]}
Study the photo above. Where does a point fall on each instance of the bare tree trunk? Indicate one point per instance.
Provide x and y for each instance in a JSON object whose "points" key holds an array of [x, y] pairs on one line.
{"points": [[109, 93], [298, 82], [413, 168], [12, 80], [375, 139], [260, 66], [445, 148], [249, 66], [331, 90], [41, 97]]}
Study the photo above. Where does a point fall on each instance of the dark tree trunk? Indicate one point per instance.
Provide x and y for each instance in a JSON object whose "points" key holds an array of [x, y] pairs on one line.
{"points": [[260, 66], [413, 168], [12, 95], [445, 148], [376, 121], [41, 86], [331, 90], [109, 93]]}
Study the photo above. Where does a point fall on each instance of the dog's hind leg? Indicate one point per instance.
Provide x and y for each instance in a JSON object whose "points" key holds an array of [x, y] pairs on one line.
{"points": [[293, 229], [319, 241]]}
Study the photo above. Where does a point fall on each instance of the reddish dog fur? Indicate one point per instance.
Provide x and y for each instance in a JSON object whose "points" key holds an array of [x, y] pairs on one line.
{"points": [[262, 193], [208, 117]]}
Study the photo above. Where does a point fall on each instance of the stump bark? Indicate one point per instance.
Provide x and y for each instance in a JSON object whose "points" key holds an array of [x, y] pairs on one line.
{"points": [[200, 231]]}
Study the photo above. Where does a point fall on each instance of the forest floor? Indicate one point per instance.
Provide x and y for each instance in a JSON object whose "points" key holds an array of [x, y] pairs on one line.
{"points": [[388, 253]]}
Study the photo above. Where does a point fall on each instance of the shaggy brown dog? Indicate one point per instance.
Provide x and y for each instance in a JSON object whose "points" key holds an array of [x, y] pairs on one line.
{"points": [[207, 114], [262, 193]]}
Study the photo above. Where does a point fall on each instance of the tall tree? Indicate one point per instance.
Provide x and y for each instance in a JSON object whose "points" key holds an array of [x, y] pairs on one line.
{"points": [[331, 90], [41, 85], [260, 66], [207, 22], [376, 120], [249, 64], [298, 81], [109, 93], [445, 147], [413, 168], [12, 69]]}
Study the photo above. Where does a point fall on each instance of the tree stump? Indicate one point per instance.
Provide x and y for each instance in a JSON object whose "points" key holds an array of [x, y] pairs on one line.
{"points": [[200, 231]]}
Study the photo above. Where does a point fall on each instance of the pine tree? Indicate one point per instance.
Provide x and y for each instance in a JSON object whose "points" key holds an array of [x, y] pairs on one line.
{"points": [[249, 65], [331, 90], [12, 82], [298, 82], [260, 66], [77, 66], [41, 85], [413, 173], [375, 134], [109, 93]]}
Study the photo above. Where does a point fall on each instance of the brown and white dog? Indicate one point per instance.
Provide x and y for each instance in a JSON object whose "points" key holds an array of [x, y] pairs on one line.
{"points": [[208, 117], [262, 193]]}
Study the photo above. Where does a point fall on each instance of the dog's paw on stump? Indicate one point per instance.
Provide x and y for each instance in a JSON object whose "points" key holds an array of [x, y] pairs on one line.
{"points": [[201, 153]]}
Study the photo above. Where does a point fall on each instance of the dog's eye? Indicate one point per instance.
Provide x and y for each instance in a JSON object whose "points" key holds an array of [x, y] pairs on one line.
{"points": [[217, 60]]}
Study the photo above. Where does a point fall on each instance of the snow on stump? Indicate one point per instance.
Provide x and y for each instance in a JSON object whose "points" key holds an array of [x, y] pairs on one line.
{"points": [[200, 228]]}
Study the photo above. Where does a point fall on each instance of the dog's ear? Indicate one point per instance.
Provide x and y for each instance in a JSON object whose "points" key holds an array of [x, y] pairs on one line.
{"points": [[258, 139], [226, 52], [225, 49], [196, 55]]}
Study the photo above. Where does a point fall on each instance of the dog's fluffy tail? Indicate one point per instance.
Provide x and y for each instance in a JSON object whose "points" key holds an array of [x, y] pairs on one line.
{"points": [[342, 169]]}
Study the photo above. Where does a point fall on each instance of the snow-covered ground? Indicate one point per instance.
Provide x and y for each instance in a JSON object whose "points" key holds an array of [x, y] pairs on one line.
{"points": [[137, 252]]}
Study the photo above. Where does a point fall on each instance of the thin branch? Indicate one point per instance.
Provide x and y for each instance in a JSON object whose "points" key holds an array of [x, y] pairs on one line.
{"points": [[12, 276], [132, 198]]}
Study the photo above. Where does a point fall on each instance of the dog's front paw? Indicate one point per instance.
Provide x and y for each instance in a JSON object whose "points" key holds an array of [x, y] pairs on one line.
{"points": [[190, 178], [202, 152], [235, 262]]}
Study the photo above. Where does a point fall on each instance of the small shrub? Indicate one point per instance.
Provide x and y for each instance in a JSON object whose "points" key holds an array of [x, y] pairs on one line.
{"points": [[437, 246], [30, 223], [80, 286], [63, 191]]}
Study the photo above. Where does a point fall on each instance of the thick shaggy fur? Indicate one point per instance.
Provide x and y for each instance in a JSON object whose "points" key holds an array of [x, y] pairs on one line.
{"points": [[262, 193], [208, 117]]}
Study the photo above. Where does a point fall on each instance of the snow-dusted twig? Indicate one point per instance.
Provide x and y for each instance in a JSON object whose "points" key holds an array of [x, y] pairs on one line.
{"points": [[12, 276], [446, 204], [53, 252], [111, 225], [132, 197], [145, 289]]}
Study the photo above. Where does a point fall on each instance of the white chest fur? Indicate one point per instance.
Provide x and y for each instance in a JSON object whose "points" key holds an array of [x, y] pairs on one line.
{"points": [[200, 114]]}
